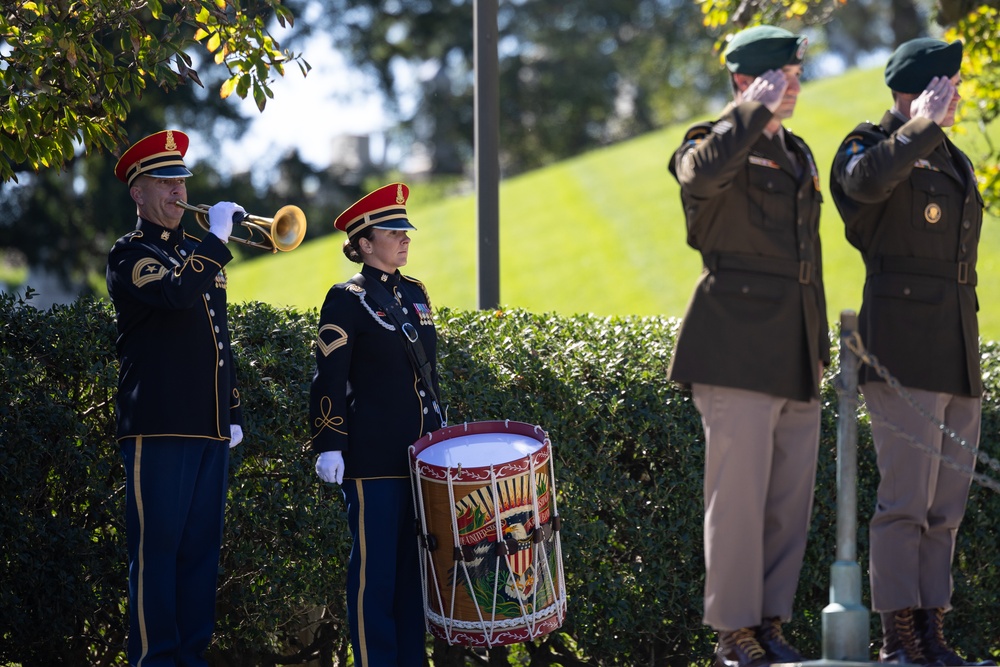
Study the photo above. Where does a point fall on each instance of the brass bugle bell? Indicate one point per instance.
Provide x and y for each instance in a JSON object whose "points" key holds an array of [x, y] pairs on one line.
{"points": [[284, 231]]}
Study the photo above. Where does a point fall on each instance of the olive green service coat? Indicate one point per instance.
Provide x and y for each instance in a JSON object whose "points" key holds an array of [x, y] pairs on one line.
{"points": [[910, 204], [757, 319]]}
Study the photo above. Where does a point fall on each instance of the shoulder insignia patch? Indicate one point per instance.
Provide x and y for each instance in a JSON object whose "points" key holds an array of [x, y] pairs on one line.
{"points": [[147, 271], [853, 146], [696, 135], [330, 338]]}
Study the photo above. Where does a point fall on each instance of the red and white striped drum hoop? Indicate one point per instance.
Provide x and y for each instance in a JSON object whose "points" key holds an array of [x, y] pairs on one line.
{"points": [[474, 482]]}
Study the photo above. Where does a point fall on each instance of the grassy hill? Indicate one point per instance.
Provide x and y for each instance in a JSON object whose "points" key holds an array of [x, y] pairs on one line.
{"points": [[604, 232]]}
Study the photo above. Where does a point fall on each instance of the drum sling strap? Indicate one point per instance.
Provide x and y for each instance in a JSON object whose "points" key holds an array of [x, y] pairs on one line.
{"points": [[411, 342]]}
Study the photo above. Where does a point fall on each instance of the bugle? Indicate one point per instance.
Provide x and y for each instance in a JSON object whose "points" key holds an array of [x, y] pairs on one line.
{"points": [[284, 231]]}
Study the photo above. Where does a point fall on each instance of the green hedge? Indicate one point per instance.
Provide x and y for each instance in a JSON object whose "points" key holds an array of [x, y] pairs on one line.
{"points": [[628, 460]]}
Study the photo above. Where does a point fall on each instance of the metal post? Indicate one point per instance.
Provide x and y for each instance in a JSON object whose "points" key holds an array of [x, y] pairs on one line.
{"points": [[845, 619], [487, 141]]}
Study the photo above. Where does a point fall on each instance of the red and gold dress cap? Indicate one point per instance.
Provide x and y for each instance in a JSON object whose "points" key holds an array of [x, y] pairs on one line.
{"points": [[384, 208], [160, 155]]}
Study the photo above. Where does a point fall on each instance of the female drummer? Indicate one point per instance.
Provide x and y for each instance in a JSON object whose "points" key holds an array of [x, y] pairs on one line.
{"points": [[371, 398]]}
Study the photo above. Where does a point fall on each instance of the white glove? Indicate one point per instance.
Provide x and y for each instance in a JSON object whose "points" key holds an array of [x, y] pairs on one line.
{"points": [[934, 101], [768, 89], [330, 467], [235, 435], [221, 219]]}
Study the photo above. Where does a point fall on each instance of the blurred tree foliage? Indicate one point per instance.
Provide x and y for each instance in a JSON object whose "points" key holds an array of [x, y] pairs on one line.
{"points": [[975, 22], [980, 30], [72, 70], [573, 75], [64, 221]]}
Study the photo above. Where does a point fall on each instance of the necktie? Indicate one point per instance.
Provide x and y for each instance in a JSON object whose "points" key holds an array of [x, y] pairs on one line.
{"points": [[779, 139]]}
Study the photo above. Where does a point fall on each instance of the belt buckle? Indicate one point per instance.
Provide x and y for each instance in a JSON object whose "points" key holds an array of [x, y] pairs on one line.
{"points": [[410, 332]]}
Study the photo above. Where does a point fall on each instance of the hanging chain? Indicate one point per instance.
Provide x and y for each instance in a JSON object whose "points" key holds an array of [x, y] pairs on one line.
{"points": [[856, 346]]}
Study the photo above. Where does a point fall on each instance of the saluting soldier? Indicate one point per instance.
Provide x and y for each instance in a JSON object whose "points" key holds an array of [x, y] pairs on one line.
{"points": [[910, 204], [753, 343], [178, 404], [375, 394]]}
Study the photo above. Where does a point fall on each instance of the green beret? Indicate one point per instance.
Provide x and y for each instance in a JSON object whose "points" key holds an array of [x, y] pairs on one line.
{"points": [[756, 50], [914, 63]]}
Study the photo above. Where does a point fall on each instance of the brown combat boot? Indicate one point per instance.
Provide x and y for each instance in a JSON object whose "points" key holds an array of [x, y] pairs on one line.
{"points": [[930, 626], [739, 648], [773, 642], [900, 640]]}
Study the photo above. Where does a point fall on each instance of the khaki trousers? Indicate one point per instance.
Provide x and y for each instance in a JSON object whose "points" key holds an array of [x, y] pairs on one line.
{"points": [[921, 501], [760, 472]]}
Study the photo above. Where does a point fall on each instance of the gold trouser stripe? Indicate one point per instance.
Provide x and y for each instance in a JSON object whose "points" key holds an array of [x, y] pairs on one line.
{"points": [[361, 588], [137, 483]]}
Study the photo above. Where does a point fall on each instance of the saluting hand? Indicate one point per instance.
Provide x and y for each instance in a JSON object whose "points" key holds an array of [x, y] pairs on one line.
{"points": [[934, 101], [768, 89], [330, 467]]}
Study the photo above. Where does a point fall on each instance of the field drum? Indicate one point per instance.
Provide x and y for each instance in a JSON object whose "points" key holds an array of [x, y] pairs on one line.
{"points": [[490, 555]]}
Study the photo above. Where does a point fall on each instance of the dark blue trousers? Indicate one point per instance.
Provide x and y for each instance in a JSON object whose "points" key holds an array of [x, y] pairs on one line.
{"points": [[384, 600], [175, 502]]}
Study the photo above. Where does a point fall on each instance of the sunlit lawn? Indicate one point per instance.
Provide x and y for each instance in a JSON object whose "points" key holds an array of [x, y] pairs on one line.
{"points": [[602, 233]]}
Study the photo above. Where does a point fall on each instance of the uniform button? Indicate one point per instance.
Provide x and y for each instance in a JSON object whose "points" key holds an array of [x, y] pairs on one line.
{"points": [[425, 411], [906, 291], [208, 297], [216, 329], [966, 224], [800, 221], [221, 346], [422, 394], [801, 195], [745, 289], [405, 311], [183, 253], [222, 362], [965, 248], [802, 246], [211, 312]]}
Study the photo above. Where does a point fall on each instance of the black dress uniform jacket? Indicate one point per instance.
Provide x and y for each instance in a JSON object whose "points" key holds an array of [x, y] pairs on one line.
{"points": [[910, 204], [177, 375], [366, 399], [757, 319]]}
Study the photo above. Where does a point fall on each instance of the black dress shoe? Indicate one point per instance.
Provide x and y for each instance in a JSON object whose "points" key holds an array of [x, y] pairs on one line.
{"points": [[773, 642], [740, 648]]}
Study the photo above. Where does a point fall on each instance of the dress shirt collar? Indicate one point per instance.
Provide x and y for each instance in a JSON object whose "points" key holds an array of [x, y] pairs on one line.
{"points": [[160, 234], [387, 279]]}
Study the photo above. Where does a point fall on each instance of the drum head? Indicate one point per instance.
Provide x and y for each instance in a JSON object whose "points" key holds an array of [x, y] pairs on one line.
{"points": [[479, 450]]}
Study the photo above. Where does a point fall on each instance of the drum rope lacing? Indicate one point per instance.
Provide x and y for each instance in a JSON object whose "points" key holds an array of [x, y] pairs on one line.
{"points": [[497, 626]]}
